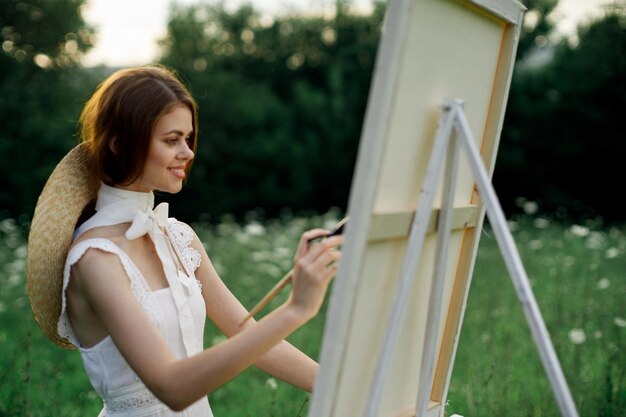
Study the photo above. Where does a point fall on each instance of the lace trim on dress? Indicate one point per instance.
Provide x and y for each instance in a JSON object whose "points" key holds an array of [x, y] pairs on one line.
{"points": [[138, 284], [133, 400], [181, 236]]}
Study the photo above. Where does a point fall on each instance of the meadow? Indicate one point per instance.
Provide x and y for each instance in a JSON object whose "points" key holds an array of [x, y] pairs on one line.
{"points": [[576, 270]]}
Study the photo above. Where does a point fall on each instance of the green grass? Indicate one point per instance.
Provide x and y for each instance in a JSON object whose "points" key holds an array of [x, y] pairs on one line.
{"points": [[577, 275]]}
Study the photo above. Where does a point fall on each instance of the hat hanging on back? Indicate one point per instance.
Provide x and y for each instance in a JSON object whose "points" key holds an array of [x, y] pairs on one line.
{"points": [[71, 187]]}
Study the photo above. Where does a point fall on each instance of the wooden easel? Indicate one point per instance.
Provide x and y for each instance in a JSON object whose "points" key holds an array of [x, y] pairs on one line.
{"points": [[454, 132], [389, 321]]}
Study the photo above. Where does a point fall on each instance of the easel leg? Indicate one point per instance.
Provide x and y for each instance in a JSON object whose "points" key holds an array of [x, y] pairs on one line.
{"points": [[444, 226], [516, 271]]}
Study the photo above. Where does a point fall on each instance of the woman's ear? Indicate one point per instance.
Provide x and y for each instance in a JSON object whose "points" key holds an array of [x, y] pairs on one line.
{"points": [[114, 145]]}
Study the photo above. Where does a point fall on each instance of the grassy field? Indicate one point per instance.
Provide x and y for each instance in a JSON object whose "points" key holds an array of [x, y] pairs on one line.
{"points": [[577, 273]]}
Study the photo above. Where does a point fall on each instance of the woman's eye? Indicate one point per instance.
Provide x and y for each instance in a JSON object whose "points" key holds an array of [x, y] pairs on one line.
{"points": [[171, 141]]}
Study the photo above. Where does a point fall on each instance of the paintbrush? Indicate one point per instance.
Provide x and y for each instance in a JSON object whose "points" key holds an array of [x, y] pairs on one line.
{"points": [[337, 230]]}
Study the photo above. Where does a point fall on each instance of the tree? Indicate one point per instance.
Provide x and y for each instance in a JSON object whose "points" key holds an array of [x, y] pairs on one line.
{"points": [[281, 104], [562, 135], [537, 26], [41, 88]]}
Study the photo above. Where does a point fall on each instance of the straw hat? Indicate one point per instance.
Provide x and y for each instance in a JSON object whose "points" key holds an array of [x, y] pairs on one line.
{"points": [[70, 188]]}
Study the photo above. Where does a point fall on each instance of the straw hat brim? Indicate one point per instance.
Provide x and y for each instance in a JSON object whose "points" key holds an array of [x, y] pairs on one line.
{"points": [[71, 187]]}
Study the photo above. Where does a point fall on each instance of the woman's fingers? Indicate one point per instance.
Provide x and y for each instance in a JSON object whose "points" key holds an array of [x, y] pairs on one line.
{"points": [[319, 258], [327, 258], [315, 265], [303, 245], [331, 271], [325, 245]]}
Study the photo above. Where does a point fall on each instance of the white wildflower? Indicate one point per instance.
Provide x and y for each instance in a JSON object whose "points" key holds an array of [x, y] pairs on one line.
{"points": [[595, 240], [271, 383], [17, 265], [612, 253], [258, 256], [21, 251], [541, 223], [254, 229], [580, 231], [226, 228], [15, 279], [535, 244], [519, 201], [603, 283], [530, 207], [597, 334], [242, 237], [577, 336], [8, 226], [270, 269], [619, 322], [330, 223], [283, 252]]}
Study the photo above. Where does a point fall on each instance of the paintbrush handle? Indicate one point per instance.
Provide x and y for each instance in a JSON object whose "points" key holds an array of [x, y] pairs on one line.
{"points": [[268, 297], [337, 230]]}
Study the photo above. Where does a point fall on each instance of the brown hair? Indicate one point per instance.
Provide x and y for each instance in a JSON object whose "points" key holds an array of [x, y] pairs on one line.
{"points": [[117, 121]]}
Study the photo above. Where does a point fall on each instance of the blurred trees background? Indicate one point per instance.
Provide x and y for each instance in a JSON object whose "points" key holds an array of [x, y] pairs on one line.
{"points": [[282, 102], [42, 88], [563, 142]]}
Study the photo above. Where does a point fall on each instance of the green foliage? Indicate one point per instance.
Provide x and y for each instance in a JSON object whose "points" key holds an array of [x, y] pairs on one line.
{"points": [[41, 89], [281, 104], [576, 275], [537, 26], [564, 121], [50, 33]]}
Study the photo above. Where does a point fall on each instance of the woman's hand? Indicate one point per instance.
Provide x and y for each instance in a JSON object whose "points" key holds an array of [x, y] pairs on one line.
{"points": [[314, 266]]}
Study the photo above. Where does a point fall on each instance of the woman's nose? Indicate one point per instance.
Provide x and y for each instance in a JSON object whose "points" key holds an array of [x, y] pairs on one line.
{"points": [[186, 152]]}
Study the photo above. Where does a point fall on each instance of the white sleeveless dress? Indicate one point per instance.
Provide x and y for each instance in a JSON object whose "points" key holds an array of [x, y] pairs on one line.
{"points": [[123, 393]]}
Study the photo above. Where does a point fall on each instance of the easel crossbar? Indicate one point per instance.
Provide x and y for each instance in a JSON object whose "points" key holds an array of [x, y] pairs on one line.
{"points": [[397, 225]]}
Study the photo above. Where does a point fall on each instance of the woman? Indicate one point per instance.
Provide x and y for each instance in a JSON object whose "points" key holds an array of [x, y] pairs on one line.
{"points": [[136, 286]]}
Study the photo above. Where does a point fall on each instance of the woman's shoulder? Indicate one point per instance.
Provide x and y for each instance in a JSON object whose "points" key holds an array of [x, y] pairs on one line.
{"points": [[114, 233], [99, 242]]}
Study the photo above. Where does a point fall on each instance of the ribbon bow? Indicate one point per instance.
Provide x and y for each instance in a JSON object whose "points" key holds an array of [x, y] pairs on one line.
{"points": [[153, 222], [148, 221]]}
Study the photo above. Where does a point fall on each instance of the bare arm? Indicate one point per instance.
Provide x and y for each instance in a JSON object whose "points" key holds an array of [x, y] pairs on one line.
{"points": [[178, 383], [283, 361]]}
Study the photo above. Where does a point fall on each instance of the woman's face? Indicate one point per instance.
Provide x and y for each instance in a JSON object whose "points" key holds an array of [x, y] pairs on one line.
{"points": [[168, 154]]}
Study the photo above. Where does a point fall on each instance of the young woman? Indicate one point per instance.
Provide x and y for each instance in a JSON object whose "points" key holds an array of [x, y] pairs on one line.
{"points": [[137, 286]]}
